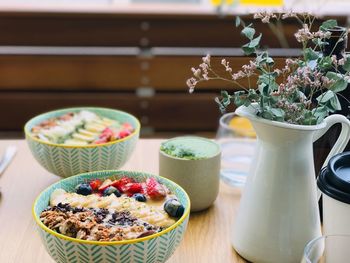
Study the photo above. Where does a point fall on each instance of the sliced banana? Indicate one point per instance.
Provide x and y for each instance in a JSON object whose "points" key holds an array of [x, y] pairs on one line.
{"points": [[82, 137], [105, 122], [75, 142], [87, 133], [94, 127]]}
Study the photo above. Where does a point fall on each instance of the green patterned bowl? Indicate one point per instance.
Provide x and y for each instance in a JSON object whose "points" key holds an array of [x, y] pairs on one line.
{"points": [[65, 160], [155, 248]]}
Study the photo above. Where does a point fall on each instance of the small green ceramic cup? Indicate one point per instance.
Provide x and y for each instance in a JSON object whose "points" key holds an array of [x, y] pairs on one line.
{"points": [[197, 172]]}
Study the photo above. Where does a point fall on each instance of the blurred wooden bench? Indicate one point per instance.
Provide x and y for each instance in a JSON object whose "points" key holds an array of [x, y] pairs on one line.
{"points": [[134, 62]]}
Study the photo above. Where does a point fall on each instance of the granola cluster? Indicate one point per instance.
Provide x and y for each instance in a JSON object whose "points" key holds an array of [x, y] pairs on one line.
{"points": [[95, 224]]}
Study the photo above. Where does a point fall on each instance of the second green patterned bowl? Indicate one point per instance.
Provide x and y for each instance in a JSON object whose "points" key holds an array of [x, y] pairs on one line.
{"points": [[67, 160], [156, 248]]}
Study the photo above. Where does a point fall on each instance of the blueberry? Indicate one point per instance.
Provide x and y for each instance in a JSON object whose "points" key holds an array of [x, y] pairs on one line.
{"points": [[174, 208], [83, 189], [140, 197], [111, 190]]}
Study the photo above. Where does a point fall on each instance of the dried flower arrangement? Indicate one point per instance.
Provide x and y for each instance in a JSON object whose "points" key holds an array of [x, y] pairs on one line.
{"points": [[310, 83]]}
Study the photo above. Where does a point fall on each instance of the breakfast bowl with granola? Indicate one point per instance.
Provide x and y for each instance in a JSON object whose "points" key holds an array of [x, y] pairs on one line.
{"points": [[76, 140], [112, 216]]}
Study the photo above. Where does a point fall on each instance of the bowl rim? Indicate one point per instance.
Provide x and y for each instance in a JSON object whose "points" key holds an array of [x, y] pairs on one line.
{"points": [[28, 134], [217, 153], [108, 243]]}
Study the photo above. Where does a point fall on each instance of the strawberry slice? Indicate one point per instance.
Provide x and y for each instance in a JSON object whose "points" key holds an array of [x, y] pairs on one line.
{"points": [[127, 126], [133, 188], [95, 184], [124, 133], [154, 189], [106, 183], [101, 140], [106, 134], [121, 184]]}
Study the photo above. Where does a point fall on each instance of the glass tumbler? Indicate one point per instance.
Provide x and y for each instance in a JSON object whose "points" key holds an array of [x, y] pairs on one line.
{"points": [[328, 249], [237, 139]]}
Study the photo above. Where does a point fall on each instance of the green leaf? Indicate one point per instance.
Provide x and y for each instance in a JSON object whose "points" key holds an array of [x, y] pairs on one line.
{"points": [[310, 54], [270, 61], [325, 63], [263, 59], [267, 84], [250, 47], [221, 106], [224, 94], [267, 114], [255, 42], [310, 121], [252, 95], [274, 114], [309, 118], [237, 21], [329, 100], [340, 83], [248, 50], [248, 32], [346, 65], [226, 98], [320, 113], [325, 97], [319, 42], [328, 24], [240, 98], [278, 114], [264, 89], [334, 104]]}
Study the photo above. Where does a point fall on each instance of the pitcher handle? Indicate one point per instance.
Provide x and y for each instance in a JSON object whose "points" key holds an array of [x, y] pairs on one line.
{"points": [[343, 138], [341, 142]]}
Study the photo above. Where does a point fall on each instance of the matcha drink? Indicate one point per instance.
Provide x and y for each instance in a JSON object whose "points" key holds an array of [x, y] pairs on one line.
{"points": [[193, 163], [190, 148]]}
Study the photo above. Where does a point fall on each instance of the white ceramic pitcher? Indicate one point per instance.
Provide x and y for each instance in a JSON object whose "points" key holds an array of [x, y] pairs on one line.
{"points": [[278, 212]]}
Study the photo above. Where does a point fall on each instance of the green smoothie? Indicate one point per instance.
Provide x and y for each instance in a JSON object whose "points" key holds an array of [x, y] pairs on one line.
{"points": [[190, 148]]}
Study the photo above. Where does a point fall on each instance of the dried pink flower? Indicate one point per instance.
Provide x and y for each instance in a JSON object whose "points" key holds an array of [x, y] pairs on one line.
{"points": [[264, 16], [277, 71], [191, 83], [240, 74], [197, 73], [341, 62], [206, 59], [289, 14], [226, 64], [303, 34]]}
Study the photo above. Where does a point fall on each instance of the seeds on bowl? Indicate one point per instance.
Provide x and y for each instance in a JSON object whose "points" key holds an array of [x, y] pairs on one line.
{"points": [[97, 224], [115, 210], [81, 128]]}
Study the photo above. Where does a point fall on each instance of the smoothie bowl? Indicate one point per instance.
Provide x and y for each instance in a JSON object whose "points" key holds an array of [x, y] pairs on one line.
{"points": [[112, 216], [76, 140]]}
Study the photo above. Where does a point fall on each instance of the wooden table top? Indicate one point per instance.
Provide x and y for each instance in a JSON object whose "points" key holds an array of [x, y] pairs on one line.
{"points": [[207, 238]]}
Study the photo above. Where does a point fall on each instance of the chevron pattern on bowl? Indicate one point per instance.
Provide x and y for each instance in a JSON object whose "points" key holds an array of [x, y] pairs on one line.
{"points": [[156, 248], [65, 160]]}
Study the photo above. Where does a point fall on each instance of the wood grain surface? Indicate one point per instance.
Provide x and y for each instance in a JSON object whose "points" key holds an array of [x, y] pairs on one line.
{"points": [[207, 238]]}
